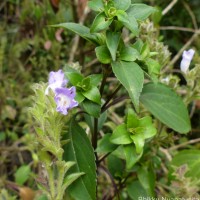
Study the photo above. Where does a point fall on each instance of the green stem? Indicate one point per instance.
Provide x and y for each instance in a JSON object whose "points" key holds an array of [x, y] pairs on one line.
{"points": [[60, 179], [51, 181]]}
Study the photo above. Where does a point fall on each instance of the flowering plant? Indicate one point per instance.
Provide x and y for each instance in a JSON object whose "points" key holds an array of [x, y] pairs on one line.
{"points": [[91, 142]]}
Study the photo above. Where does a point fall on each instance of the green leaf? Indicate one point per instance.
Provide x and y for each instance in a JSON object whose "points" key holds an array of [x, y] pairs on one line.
{"points": [[129, 22], [138, 140], [122, 16], [138, 45], [81, 30], [147, 180], [91, 108], [79, 97], [132, 120], [153, 67], [104, 144], [167, 106], [100, 23], [74, 78], [112, 42], [140, 11], [145, 51], [115, 165], [131, 156], [96, 5], [22, 174], [95, 79], [85, 84], [145, 121], [188, 157], [157, 15], [140, 130], [131, 76], [69, 179], [191, 158], [149, 131], [93, 94], [122, 5], [101, 120], [80, 150], [103, 54], [129, 54], [136, 191], [121, 135]]}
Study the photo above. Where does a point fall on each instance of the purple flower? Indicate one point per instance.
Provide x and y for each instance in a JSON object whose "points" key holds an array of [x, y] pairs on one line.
{"points": [[64, 98], [56, 80], [186, 60]]}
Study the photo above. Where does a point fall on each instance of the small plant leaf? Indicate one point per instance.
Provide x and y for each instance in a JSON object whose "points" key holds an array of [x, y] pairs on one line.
{"points": [[22, 174], [166, 105], [95, 79], [147, 179], [100, 23], [104, 144], [121, 135], [129, 54], [135, 190], [112, 42], [191, 158], [96, 5], [140, 11], [91, 108], [131, 76], [122, 5], [93, 94], [130, 155], [103, 54], [81, 30], [129, 21]]}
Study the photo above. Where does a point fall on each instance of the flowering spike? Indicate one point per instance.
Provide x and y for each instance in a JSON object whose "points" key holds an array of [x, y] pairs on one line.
{"points": [[186, 60]]}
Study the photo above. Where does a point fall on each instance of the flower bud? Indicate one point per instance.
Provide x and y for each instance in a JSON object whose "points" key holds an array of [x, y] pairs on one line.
{"points": [[186, 60]]}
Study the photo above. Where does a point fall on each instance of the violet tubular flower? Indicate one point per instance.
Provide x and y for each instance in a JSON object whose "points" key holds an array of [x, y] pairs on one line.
{"points": [[64, 98], [56, 80], [186, 60]]}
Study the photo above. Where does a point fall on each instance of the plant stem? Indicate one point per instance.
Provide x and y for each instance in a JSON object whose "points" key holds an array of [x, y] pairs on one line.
{"points": [[115, 101], [74, 5], [112, 180], [51, 180], [106, 73], [111, 97], [95, 133], [184, 144], [102, 158]]}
